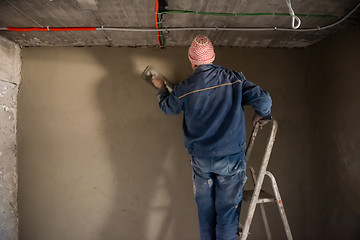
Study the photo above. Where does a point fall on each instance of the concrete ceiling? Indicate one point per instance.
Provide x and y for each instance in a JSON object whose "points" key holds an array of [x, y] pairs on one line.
{"points": [[140, 14]]}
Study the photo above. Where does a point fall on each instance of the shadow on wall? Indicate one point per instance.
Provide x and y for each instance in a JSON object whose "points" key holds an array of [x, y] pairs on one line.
{"points": [[151, 172]]}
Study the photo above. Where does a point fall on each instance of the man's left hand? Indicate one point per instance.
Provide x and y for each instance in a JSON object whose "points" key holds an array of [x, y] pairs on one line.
{"points": [[259, 119]]}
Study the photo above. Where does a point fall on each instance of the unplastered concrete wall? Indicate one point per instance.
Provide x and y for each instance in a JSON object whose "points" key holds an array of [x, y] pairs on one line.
{"points": [[98, 159], [10, 65]]}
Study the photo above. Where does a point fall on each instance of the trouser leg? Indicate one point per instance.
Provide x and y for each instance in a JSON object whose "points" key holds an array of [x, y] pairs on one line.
{"points": [[218, 184], [203, 184], [228, 194]]}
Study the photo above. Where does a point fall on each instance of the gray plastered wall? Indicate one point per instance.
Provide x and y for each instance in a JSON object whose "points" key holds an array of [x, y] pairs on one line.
{"points": [[96, 153], [10, 67]]}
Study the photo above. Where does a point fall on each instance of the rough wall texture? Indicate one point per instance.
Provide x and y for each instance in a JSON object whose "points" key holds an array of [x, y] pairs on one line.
{"points": [[333, 99], [98, 160], [10, 66], [97, 154]]}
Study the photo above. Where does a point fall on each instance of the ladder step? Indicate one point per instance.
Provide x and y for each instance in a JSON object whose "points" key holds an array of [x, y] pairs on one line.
{"points": [[263, 198]]}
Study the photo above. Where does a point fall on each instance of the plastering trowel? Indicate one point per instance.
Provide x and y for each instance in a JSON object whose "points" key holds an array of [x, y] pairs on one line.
{"points": [[149, 73]]}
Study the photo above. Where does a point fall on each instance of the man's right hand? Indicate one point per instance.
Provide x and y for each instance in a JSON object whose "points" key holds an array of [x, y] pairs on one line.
{"points": [[158, 81]]}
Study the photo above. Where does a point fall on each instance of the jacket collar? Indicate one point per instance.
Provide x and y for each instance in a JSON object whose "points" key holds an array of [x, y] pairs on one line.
{"points": [[204, 67]]}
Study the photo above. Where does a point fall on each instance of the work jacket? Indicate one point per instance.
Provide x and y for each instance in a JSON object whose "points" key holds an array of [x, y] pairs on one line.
{"points": [[212, 100]]}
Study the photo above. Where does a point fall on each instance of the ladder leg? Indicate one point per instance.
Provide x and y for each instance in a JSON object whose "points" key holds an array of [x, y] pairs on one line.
{"points": [[260, 178], [249, 217], [280, 205], [263, 213], [267, 228]]}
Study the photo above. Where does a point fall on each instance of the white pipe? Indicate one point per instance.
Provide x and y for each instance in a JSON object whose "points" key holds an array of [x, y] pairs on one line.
{"points": [[232, 29], [166, 29]]}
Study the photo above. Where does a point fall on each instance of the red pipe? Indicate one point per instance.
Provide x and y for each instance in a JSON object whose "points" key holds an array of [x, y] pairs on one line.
{"points": [[156, 22], [51, 29]]}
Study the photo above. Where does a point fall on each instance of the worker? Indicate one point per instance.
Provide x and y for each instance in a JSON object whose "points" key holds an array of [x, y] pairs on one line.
{"points": [[212, 101]]}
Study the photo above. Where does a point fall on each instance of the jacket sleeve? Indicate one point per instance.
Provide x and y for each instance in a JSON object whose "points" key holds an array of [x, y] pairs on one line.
{"points": [[169, 103], [259, 99]]}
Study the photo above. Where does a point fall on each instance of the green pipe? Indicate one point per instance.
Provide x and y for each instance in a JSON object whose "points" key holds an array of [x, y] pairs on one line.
{"points": [[249, 14], [161, 34]]}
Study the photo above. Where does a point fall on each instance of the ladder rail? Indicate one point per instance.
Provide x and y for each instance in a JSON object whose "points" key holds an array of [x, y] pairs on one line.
{"points": [[263, 212], [252, 140], [261, 176], [280, 205], [266, 223]]}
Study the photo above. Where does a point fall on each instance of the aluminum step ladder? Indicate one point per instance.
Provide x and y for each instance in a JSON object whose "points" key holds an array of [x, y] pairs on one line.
{"points": [[259, 196]]}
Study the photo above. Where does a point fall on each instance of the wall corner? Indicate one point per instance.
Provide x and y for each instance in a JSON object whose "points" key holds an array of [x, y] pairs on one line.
{"points": [[10, 78]]}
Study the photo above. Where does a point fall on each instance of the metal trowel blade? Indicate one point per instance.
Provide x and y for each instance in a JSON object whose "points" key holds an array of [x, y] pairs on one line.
{"points": [[148, 74]]}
